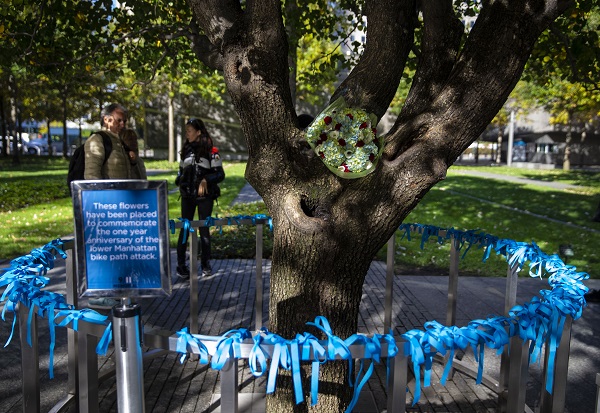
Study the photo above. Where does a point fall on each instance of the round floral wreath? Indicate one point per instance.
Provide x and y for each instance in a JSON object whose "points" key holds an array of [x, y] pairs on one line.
{"points": [[346, 140]]}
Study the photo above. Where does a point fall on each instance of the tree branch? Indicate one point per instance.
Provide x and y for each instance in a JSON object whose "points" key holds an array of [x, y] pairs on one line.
{"points": [[389, 39], [491, 62], [442, 32], [217, 18], [204, 49]]}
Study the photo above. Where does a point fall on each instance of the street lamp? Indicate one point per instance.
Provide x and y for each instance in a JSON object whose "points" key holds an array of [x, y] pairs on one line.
{"points": [[565, 251]]}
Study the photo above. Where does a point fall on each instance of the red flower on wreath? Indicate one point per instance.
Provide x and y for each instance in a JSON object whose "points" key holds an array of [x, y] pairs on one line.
{"points": [[351, 129]]}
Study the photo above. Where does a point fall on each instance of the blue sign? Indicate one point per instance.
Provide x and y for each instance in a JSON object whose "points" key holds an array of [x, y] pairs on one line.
{"points": [[122, 238]]}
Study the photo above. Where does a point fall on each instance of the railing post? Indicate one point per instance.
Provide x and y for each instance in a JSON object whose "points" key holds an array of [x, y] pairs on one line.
{"points": [[29, 361], [389, 284], [396, 401], [452, 293], [194, 281], [258, 302], [555, 402], [128, 354], [71, 298], [229, 386], [514, 396], [597, 393], [452, 284], [506, 364], [88, 373]]}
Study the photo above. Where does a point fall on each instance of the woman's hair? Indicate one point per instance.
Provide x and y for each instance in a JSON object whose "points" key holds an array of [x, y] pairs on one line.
{"points": [[205, 143], [304, 120], [130, 138]]}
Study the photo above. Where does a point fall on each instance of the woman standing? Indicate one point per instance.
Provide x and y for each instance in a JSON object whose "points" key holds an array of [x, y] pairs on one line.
{"points": [[200, 171]]}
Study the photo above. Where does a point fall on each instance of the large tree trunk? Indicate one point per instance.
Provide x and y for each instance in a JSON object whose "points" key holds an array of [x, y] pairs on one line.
{"points": [[328, 229]]}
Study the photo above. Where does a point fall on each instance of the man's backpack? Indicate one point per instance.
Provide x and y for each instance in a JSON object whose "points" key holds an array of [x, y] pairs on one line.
{"points": [[77, 163]]}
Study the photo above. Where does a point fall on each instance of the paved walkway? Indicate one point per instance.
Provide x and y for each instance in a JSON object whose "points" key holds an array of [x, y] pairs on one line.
{"points": [[226, 301], [516, 179], [246, 195]]}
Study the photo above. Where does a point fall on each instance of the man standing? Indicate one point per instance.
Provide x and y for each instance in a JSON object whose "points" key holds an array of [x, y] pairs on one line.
{"points": [[116, 166]]}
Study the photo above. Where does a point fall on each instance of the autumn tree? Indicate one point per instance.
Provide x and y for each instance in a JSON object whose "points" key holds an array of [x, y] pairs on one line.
{"points": [[327, 229], [56, 47], [563, 75]]}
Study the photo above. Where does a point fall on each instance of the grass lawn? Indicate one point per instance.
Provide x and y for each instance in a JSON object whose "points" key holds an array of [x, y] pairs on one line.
{"points": [[546, 216], [35, 208]]}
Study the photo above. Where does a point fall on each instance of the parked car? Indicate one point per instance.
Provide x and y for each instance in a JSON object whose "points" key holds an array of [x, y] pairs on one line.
{"points": [[23, 145], [34, 147], [40, 146]]}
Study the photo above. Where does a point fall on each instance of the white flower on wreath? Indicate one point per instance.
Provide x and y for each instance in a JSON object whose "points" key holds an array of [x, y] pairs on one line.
{"points": [[346, 141]]}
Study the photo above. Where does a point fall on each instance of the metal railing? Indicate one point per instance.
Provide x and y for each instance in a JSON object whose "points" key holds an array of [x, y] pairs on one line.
{"points": [[259, 223], [514, 363], [83, 377]]}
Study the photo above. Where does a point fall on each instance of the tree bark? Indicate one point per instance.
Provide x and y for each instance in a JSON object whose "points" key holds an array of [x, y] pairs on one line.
{"points": [[328, 229]]}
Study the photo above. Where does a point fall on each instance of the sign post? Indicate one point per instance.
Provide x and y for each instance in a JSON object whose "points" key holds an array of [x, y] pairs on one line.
{"points": [[129, 366], [122, 251]]}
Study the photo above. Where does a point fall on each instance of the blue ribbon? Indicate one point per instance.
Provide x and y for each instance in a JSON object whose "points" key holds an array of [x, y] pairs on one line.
{"points": [[228, 347], [105, 340], [372, 353], [263, 216], [288, 354], [540, 321], [74, 316], [186, 228], [186, 340], [310, 344]]}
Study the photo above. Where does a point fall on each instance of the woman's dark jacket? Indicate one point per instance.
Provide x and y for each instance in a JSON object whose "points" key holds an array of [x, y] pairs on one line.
{"points": [[193, 169]]}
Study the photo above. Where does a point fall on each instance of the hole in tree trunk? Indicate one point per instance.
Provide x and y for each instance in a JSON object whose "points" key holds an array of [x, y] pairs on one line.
{"points": [[313, 208]]}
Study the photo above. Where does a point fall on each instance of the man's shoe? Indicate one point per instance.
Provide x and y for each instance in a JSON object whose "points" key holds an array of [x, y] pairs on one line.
{"points": [[206, 270], [103, 303], [183, 271]]}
